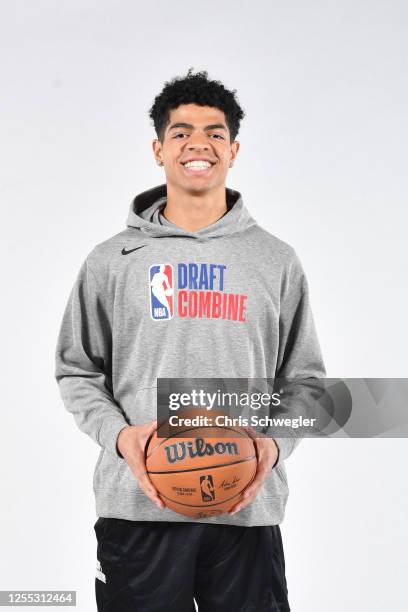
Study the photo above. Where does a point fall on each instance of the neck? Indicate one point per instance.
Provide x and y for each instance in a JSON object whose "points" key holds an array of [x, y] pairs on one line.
{"points": [[194, 211]]}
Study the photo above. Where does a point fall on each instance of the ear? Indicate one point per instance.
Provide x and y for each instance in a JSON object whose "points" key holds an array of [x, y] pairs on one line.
{"points": [[234, 150], [157, 149]]}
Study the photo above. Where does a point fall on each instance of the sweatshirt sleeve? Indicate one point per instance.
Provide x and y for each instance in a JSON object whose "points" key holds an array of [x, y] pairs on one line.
{"points": [[83, 362], [299, 354]]}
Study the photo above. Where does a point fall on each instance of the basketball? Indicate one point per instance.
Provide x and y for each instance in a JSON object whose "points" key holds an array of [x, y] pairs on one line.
{"points": [[201, 476], [169, 291]]}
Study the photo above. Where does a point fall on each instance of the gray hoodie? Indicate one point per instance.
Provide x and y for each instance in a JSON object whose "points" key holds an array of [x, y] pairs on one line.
{"points": [[230, 300]]}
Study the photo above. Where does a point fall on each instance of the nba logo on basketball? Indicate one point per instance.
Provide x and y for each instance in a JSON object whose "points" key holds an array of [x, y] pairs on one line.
{"points": [[161, 291], [207, 488]]}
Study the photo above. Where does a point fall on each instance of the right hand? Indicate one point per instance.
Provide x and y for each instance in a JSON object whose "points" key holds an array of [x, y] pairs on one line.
{"points": [[131, 444]]}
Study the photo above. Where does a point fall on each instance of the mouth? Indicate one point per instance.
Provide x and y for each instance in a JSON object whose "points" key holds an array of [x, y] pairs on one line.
{"points": [[198, 167]]}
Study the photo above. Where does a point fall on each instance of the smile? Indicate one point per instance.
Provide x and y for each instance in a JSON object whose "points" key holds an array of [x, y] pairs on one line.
{"points": [[197, 167]]}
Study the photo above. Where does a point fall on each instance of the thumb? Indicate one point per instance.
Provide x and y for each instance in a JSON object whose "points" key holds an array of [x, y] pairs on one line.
{"points": [[150, 427]]}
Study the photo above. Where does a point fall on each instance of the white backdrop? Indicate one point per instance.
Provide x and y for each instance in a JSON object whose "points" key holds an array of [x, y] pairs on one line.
{"points": [[322, 165]]}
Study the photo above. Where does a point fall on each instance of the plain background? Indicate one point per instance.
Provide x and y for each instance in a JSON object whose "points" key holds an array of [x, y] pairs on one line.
{"points": [[322, 165]]}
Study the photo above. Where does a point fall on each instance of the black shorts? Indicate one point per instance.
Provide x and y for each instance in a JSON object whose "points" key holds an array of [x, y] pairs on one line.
{"points": [[152, 566]]}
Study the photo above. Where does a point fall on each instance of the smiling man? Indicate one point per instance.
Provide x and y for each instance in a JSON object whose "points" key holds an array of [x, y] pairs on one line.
{"points": [[193, 287]]}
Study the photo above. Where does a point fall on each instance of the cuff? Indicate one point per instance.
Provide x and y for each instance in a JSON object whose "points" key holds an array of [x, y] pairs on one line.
{"points": [[285, 448]]}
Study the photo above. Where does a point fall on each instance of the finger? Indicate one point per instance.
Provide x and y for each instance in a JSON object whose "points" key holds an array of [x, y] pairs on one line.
{"points": [[250, 490], [253, 433], [242, 503], [257, 481], [138, 468], [236, 507], [149, 489], [249, 430], [148, 431], [151, 427]]}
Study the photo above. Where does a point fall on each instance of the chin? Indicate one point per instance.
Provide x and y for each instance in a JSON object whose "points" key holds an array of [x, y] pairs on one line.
{"points": [[196, 186]]}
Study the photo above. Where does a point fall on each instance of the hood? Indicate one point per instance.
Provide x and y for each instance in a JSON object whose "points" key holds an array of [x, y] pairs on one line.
{"points": [[144, 214]]}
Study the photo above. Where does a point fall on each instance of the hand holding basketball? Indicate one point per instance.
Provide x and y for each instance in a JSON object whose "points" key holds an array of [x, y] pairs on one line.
{"points": [[268, 454], [169, 291], [131, 443], [203, 474]]}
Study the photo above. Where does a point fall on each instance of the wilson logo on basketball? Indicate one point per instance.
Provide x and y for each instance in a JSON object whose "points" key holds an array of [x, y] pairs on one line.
{"points": [[199, 448]]}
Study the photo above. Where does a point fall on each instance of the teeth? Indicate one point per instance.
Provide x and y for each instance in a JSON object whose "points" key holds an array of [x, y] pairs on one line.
{"points": [[198, 164]]}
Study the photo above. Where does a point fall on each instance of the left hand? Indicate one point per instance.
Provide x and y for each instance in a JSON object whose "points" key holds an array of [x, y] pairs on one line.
{"points": [[268, 454]]}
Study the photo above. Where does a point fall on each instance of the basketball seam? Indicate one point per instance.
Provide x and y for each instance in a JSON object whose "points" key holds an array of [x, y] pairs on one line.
{"points": [[210, 467]]}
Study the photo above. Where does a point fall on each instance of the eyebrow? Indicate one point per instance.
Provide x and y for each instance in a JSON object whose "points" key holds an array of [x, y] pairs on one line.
{"points": [[213, 126]]}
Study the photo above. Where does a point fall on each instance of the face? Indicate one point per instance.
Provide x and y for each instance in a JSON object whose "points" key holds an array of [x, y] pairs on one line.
{"points": [[196, 151]]}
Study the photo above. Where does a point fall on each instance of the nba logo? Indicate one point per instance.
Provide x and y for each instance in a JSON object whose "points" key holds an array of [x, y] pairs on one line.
{"points": [[207, 488], [161, 291]]}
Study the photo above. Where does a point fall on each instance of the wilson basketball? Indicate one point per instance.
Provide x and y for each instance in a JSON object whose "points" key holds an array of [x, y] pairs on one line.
{"points": [[201, 476]]}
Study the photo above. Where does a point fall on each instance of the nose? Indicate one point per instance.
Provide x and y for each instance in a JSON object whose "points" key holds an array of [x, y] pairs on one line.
{"points": [[197, 145], [197, 141]]}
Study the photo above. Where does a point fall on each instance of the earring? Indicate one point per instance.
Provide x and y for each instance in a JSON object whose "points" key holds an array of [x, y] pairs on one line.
{"points": [[159, 163]]}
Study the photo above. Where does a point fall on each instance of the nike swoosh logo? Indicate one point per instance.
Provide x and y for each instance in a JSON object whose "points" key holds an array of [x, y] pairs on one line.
{"points": [[124, 252]]}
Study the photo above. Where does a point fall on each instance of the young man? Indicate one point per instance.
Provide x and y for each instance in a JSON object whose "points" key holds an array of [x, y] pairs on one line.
{"points": [[136, 313]]}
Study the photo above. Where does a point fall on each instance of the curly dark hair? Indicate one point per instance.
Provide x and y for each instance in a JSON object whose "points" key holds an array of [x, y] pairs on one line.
{"points": [[195, 89]]}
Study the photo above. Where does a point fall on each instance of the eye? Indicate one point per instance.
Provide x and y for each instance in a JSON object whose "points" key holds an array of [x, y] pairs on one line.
{"points": [[180, 134], [218, 136]]}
